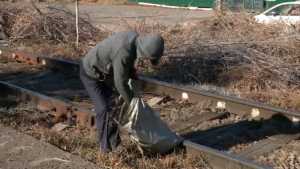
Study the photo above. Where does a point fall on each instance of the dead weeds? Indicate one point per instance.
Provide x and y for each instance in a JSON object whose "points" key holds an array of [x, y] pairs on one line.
{"points": [[233, 51], [286, 157], [83, 142], [48, 29], [230, 51]]}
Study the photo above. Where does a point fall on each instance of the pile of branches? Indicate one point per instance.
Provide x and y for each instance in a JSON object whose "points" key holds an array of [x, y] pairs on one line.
{"points": [[52, 24], [254, 55], [8, 16], [233, 49]]}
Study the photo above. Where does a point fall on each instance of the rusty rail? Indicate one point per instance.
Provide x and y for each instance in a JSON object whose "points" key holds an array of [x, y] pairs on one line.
{"points": [[57, 108], [217, 102], [220, 160], [216, 159]]}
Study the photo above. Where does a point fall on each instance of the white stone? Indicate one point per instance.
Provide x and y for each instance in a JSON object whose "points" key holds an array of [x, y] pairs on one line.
{"points": [[185, 96], [255, 112], [221, 105]]}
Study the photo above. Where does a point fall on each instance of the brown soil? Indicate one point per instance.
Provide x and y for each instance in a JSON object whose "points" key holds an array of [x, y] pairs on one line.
{"points": [[235, 133], [83, 142], [170, 110], [287, 157], [236, 53], [259, 61]]}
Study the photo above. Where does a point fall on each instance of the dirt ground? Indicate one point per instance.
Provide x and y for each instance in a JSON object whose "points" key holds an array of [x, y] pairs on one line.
{"points": [[287, 157], [71, 90], [200, 133], [170, 110], [80, 141], [234, 133], [226, 59], [83, 142]]}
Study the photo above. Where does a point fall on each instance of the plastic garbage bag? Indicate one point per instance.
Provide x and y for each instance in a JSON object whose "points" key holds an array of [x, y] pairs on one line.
{"points": [[145, 127]]}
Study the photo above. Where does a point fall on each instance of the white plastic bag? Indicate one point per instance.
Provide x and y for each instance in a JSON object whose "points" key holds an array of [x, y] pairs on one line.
{"points": [[145, 127]]}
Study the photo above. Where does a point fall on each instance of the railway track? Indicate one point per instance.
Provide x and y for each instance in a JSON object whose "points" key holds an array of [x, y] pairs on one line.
{"points": [[53, 85]]}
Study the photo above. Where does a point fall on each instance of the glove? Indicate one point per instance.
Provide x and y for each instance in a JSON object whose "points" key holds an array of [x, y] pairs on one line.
{"points": [[134, 75]]}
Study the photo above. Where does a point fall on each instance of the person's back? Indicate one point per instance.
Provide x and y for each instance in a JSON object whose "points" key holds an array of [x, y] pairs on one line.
{"points": [[104, 53], [113, 59]]}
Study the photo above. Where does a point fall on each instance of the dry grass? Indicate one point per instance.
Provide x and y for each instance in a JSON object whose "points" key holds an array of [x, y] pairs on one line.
{"points": [[235, 54], [236, 48], [233, 51], [58, 51], [48, 30], [285, 157], [83, 142], [230, 53]]}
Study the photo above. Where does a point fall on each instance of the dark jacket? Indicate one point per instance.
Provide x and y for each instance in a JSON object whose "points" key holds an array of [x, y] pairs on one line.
{"points": [[114, 58]]}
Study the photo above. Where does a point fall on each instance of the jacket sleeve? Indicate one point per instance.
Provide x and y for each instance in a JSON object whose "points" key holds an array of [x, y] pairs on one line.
{"points": [[121, 79]]}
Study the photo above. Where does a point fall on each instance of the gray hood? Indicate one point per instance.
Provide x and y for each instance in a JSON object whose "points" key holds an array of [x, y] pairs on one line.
{"points": [[150, 47]]}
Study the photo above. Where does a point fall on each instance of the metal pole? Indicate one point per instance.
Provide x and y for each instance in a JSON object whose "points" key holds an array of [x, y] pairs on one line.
{"points": [[77, 31]]}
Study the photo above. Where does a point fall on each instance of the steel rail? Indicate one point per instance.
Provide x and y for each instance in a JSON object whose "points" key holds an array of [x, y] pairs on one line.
{"points": [[216, 159], [216, 101], [55, 107]]}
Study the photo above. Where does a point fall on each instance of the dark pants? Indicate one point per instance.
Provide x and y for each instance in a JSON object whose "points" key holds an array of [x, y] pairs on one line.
{"points": [[103, 100]]}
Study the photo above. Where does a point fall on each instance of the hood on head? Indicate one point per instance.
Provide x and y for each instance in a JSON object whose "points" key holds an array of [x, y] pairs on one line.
{"points": [[150, 47]]}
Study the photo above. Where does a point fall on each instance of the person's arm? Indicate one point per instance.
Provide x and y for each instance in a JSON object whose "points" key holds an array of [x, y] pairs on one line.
{"points": [[121, 78]]}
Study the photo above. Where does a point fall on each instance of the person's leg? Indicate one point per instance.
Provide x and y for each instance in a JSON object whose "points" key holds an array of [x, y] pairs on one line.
{"points": [[100, 94], [113, 132]]}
